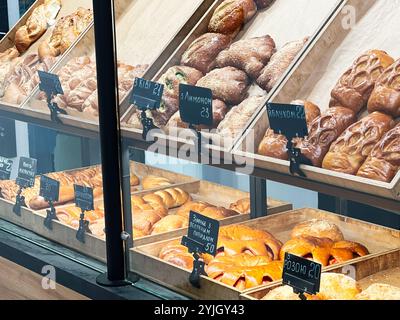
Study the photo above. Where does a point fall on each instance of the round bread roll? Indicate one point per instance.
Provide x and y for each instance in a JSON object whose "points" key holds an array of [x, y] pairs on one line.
{"points": [[281, 293], [380, 291], [337, 286], [318, 228]]}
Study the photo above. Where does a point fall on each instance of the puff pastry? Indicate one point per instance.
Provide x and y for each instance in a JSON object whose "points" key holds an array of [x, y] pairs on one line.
{"points": [[351, 149]]}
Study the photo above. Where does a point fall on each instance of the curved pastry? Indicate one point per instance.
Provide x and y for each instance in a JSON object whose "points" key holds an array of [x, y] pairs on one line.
{"points": [[384, 160], [355, 86], [386, 95], [351, 149], [227, 84], [249, 55], [170, 223], [343, 251], [275, 145], [152, 182], [231, 15], [279, 63], [318, 228], [323, 131], [202, 52]]}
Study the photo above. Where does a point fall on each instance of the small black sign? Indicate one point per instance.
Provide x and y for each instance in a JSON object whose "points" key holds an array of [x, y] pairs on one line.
{"points": [[195, 105], [287, 119], [26, 172], [303, 275], [50, 83], [84, 198], [202, 234], [5, 168], [49, 189], [146, 94]]}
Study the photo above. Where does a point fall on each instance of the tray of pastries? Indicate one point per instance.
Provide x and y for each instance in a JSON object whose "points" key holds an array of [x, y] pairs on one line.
{"points": [[77, 71], [250, 254], [39, 41], [348, 81], [240, 49], [371, 278]]}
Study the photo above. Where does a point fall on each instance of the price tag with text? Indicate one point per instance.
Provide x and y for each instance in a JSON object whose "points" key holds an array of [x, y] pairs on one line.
{"points": [[26, 172], [84, 198], [303, 275], [196, 105], [287, 119], [50, 83], [49, 189], [5, 168], [146, 94], [202, 234]]}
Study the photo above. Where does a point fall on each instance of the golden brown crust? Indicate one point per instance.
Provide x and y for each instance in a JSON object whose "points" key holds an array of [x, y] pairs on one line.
{"points": [[354, 88], [384, 160], [152, 182], [336, 286], [323, 131], [170, 223], [343, 251], [202, 52], [318, 228], [227, 84], [169, 198], [242, 206], [205, 209], [249, 55], [231, 15], [351, 149], [178, 255]]}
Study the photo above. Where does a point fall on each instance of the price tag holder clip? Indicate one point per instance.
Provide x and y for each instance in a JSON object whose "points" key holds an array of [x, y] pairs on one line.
{"points": [[25, 179], [198, 264], [50, 191], [83, 228], [83, 200], [50, 84], [296, 159], [51, 215], [19, 202]]}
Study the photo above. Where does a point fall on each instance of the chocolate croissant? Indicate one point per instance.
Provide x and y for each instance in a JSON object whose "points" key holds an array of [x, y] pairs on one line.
{"points": [[356, 85]]}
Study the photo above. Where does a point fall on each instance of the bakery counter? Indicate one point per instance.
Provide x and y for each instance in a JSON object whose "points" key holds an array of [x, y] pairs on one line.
{"points": [[347, 82], [250, 254], [240, 58]]}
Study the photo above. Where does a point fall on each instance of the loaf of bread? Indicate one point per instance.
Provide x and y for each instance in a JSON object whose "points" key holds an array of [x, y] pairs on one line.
{"points": [[202, 52], [205, 209], [356, 85], [386, 95], [231, 15], [250, 55], [153, 182], [318, 228], [169, 198], [274, 145], [37, 24], [243, 271], [170, 223], [227, 84], [146, 215], [384, 161], [380, 291], [279, 63], [323, 131], [351, 149], [66, 31]]}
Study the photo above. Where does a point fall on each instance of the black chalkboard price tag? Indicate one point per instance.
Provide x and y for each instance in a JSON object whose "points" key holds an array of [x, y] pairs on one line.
{"points": [[25, 179], [50, 191], [51, 85], [85, 201], [195, 105], [303, 275], [202, 238], [290, 121], [5, 168]]}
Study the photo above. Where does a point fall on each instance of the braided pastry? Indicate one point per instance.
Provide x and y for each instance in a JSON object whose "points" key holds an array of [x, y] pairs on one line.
{"points": [[244, 271], [170, 198], [354, 88], [205, 209]]}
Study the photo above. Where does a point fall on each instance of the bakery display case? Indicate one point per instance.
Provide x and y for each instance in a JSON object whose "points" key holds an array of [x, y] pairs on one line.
{"points": [[248, 53]]}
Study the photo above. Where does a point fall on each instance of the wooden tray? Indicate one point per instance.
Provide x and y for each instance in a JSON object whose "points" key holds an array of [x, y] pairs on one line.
{"points": [[315, 75], [68, 7], [139, 41], [379, 268], [285, 21], [217, 195], [145, 261]]}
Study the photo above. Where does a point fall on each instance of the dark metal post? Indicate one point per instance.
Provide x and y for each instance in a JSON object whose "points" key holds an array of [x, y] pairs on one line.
{"points": [[107, 84], [258, 197]]}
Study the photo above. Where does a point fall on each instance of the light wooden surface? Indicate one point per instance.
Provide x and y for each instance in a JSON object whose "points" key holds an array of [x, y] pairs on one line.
{"points": [[18, 283], [377, 239]]}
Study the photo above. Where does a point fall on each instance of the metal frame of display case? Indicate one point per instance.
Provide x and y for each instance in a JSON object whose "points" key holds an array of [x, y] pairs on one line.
{"points": [[258, 190]]}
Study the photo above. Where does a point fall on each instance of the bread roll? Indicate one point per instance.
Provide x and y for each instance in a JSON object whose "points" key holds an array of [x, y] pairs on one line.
{"points": [[170, 198], [323, 131], [37, 24], [384, 161], [351, 149], [231, 15], [242, 206], [386, 95], [380, 291], [202, 52], [354, 88], [170, 223], [336, 286], [153, 182], [318, 228], [205, 209], [178, 255]]}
